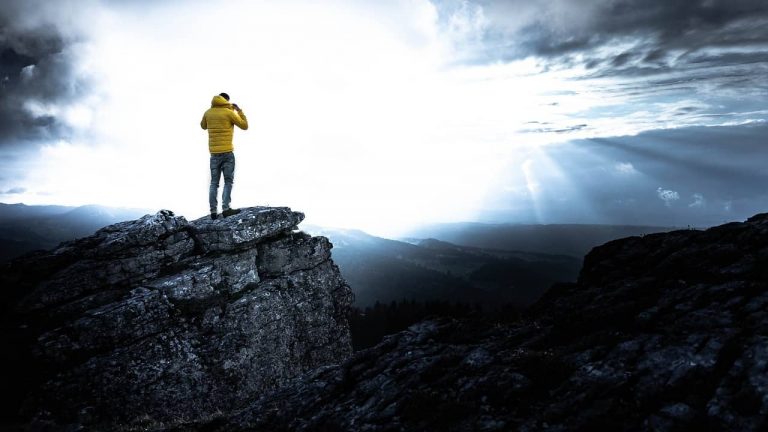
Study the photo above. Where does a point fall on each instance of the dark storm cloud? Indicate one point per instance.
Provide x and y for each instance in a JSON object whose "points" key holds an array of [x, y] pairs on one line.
{"points": [[36, 69], [661, 34], [671, 23]]}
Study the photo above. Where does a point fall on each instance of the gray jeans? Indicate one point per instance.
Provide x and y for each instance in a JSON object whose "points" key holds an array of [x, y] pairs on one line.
{"points": [[221, 163]]}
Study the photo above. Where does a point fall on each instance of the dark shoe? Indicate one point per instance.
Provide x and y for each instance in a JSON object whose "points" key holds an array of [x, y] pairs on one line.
{"points": [[214, 215], [230, 212]]}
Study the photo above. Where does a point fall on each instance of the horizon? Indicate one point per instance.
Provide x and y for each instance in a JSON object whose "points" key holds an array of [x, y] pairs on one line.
{"points": [[399, 237], [385, 117]]}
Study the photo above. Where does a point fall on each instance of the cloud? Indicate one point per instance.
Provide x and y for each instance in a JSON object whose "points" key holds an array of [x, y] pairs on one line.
{"points": [[450, 84], [39, 77], [554, 129], [625, 168], [668, 196], [557, 27], [14, 190], [632, 62], [343, 110], [698, 201], [625, 37]]}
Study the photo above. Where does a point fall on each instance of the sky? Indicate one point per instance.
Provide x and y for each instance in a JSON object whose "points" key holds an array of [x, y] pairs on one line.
{"points": [[387, 115]]}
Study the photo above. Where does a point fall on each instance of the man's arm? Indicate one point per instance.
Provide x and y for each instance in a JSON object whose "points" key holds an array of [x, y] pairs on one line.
{"points": [[238, 118], [204, 123]]}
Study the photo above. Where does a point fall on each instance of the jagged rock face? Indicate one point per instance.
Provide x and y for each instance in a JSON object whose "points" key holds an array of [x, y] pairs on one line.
{"points": [[161, 320], [667, 332]]}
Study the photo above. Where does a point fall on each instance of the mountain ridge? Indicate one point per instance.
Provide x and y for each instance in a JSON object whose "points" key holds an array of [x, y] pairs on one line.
{"points": [[570, 239], [374, 267], [24, 228]]}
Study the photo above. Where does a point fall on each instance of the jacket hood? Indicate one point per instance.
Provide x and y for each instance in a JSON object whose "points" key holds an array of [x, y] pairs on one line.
{"points": [[219, 101]]}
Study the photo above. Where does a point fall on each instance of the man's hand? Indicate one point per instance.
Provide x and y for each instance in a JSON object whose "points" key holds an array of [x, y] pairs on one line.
{"points": [[237, 108]]}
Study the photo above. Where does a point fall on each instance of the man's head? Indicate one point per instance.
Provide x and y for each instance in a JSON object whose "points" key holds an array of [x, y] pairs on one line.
{"points": [[225, 96]]}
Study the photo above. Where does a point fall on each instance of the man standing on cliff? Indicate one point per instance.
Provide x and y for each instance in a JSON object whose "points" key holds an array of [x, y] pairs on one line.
{"points": [[220, 120]]}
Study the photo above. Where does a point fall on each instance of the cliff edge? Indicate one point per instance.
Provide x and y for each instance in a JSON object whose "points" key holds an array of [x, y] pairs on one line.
{"points": [[161, 320]]}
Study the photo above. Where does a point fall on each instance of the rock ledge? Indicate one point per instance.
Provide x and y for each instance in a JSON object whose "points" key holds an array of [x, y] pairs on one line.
{"points": [[161, 320]]}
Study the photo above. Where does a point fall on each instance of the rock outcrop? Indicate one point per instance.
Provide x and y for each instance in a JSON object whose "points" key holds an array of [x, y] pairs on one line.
{"points": [[161, 320], [666, 332]]}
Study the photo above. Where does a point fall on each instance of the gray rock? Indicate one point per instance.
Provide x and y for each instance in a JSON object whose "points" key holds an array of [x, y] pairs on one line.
{"points": [[160, 320], [245, 229]]}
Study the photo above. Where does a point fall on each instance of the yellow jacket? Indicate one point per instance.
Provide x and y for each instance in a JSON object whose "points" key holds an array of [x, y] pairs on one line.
{"points": [[220, 120]]}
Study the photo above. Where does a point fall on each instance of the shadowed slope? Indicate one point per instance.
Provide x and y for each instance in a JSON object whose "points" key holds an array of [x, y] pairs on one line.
{"points": [[665, 332]]}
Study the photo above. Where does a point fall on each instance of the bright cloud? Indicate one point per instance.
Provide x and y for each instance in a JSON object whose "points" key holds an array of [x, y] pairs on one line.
{"points": [[625, 168], [698, 201], [667, 195]]}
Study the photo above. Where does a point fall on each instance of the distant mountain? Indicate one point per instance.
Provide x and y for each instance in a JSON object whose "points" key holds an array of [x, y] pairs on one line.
{"points": [[24, 228], [569, 239], [16, 211], [385, 270]]}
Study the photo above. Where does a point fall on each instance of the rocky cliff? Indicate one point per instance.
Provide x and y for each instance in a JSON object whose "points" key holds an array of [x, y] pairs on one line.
{"points": [[161, 320], [666, 332]]}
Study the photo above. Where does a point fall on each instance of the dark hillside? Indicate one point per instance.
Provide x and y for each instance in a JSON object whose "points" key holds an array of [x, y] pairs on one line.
{"points": [[666, 332], [569, 239], [383, 270]]}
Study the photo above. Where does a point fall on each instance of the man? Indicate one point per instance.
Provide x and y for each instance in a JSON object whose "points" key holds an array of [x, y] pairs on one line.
{"points": [[219, 120]]}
